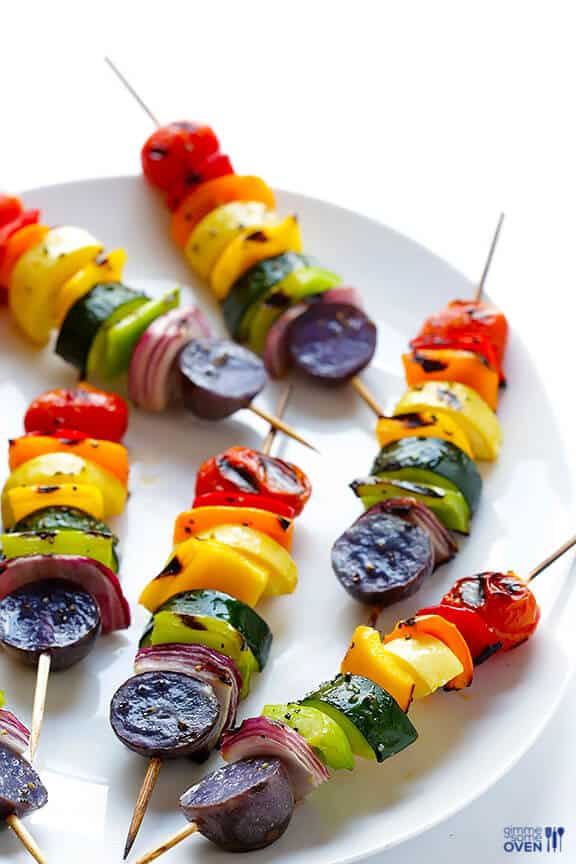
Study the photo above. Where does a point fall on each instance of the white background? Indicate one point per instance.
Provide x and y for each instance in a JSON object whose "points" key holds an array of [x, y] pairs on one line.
{"points": [[428, 116]]}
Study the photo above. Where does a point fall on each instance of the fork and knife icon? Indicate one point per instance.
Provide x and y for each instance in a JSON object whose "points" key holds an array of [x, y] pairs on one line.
{"points": [[554, 838]]}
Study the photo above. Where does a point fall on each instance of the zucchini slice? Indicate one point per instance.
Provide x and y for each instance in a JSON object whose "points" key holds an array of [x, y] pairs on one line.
{"points": [[215, 604], [253, 286], [374, 723], [431, 460], [462, 404], [106, 303], [449, 505]]}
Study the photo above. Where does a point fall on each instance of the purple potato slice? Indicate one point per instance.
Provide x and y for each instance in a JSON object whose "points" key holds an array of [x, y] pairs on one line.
{"points": [[21, 790], [244, 806], [166, 715], [218, 377], [332, 341], [52, 617], [382, 559]]}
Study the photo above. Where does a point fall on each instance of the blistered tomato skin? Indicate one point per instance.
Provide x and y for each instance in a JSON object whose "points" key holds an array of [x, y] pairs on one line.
{"points": [[246, 471], [174, 151], [504, 602]]}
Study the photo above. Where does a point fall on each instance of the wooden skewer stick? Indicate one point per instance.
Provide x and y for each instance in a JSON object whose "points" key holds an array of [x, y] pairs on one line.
{"points": [[155, 765], [40, 693], [494, 243], [367, 396], [358, 385], [169, 844], [142, 802], [280, 409], [25, 838], [551, 558], [279, 424]]}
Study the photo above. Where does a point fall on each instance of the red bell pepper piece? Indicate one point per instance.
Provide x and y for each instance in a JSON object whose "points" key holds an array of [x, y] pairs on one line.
{"points": [[237, 499], [470, 318], [10, 208], [481, 640]]}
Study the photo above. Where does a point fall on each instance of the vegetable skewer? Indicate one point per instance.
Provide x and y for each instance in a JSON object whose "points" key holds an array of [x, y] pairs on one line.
{"points": [[186, 617], [250, 256], [207, 799], [60, 278], [59, 588], [424, 482]]}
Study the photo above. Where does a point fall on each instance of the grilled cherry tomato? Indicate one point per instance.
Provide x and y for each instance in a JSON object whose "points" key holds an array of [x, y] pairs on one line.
{"points": [[215, 165], [503, 601], [174, 151], [236, 499], [481, 640], [470, 318], [240, 469], [85, 408], [10, 208]]}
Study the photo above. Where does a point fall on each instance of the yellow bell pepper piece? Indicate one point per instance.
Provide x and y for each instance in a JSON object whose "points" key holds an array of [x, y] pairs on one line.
{"points": [[20, 502], [366, 656], [426, 424], [41, 272], [108, 269], [206, 564], [251, 246], [213, 234], [428, 660], [263, 551], [55, 468], [464, 406]]}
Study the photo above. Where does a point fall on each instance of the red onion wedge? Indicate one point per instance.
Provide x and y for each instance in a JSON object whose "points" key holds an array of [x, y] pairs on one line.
{"points": [[444, 546], [276, 354], [201, 663], [260, 736], [89, 574], [150, 378], [13, 733]]}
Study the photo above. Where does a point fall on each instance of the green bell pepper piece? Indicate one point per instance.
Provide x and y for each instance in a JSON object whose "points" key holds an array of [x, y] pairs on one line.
{"points": [[321, 732], [123, 336], [89, 544], [449, 505]]}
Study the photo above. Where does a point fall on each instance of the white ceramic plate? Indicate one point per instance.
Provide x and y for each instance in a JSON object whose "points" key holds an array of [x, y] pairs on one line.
{"points": [[467, 741]]}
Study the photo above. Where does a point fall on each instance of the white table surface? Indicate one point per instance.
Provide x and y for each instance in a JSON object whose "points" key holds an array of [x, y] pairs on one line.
{"points": [[431, 117]]}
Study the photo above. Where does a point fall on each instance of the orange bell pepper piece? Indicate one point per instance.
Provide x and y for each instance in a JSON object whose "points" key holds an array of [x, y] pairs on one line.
{"points": [[108, 454], [19, 243], [425, 424], [446, 364], [366, 656], [192, 522], [439, 628], [212, 194]]}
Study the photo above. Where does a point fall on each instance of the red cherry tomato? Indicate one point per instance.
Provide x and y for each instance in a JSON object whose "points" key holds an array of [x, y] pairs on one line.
{"points": [[249, 472], [503, 601], [470, 318], [481, 640], [85, 409], [173, 152], [236, 499], [10, 208], [216, 165]]}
